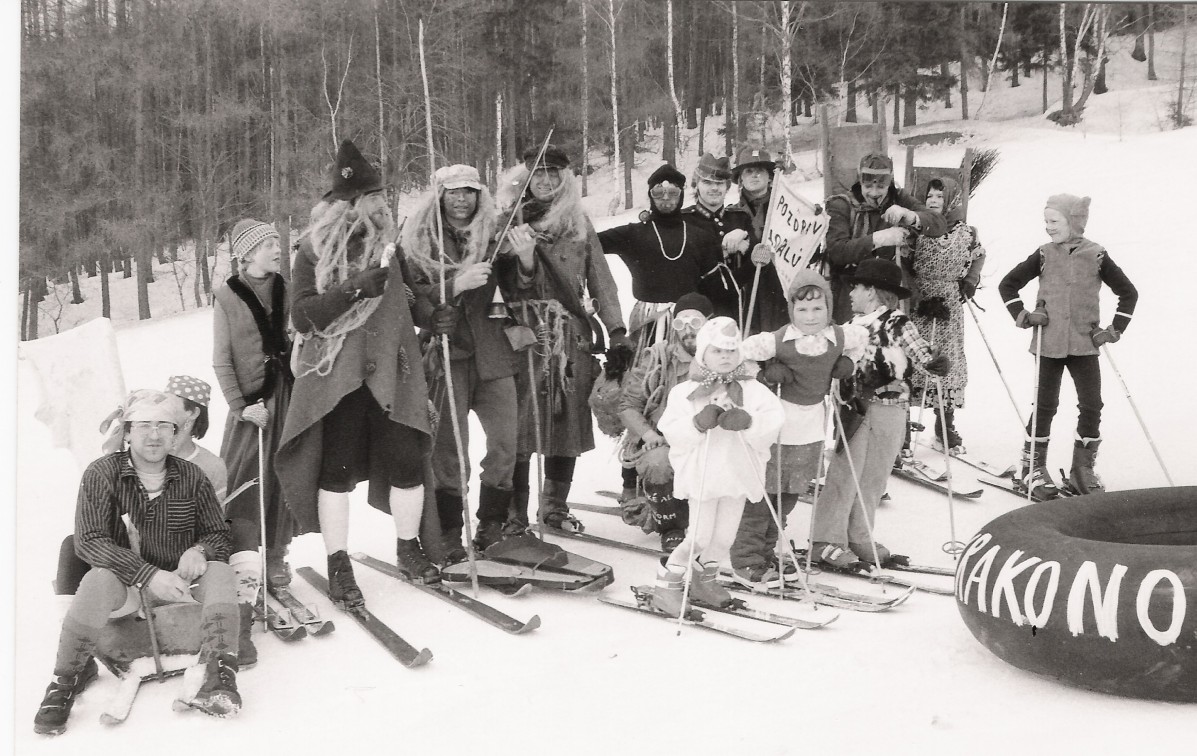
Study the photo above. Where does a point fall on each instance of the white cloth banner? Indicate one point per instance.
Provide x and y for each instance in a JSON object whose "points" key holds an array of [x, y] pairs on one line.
{"points": [[794, 231]]}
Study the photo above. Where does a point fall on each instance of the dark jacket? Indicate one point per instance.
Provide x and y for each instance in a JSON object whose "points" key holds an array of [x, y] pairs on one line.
{"points": [[666, 256], [770, 311]]}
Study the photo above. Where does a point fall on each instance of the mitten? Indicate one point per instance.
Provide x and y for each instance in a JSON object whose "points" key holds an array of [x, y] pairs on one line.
{"points": [[1035, 319], [843, 368], [1109, 335], [968, 289], [256, 414], [939, 364], [619, 354], [735, 241], [367, 284], [776, 371], [707, 417], [444, 319], [934, 308], [735, 419]]}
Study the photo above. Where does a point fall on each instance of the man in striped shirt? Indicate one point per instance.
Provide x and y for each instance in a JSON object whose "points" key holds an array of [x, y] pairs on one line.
{"points": [[150, 526]]}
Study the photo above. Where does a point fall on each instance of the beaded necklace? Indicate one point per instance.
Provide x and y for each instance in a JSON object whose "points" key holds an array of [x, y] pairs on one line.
{"points": [[661, 243]]}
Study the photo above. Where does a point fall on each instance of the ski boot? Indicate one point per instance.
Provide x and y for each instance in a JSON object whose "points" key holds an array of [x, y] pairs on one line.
{"points": [[1082, 476], [864, 552], [758, 577], [554, 512], [667, 591], [218, 696], [705, 589], [411, 561], [51, 717], [342, 587], [247, 653], [834, 555], [1032, 472]]}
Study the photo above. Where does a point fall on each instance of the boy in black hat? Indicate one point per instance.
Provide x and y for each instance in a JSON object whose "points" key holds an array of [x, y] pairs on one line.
{"points": [[732, 225], [872, 220], [841, 532], [754, 172]]}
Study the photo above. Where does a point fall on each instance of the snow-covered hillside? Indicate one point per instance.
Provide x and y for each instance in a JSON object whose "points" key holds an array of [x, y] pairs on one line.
{"points": [[595, 679]]}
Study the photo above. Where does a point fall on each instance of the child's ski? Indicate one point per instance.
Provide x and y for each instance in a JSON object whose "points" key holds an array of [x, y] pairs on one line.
{"points": [[695, 618], [281, 624], [482, 611], [922, 480], [301, 612], [404, 652], [739, 609], [601, 541], [825, 595], [599, 508], [1008, 485]]}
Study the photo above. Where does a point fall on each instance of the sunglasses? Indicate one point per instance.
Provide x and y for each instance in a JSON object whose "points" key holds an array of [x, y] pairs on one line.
{"points": [[665, 190], [689, 321]]}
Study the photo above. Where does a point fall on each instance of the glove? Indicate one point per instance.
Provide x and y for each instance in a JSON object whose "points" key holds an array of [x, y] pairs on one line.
{"points": [[939, 364], [1035, 319], [367, 284], [444, 319], [776, 371], [707, 417], [762, 254], [889, 237], [968, 289], [933, 307], [1101, 336], [843, 368], [619, 354], [735, 241], [735, 419], [256, 414]]}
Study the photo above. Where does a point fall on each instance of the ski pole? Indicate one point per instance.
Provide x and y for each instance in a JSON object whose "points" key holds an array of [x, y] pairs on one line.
{"points": [[1034, 413], [463, 477], [953, 546], [1109, 356], [693, 536], [262, 525], [1010, 393]]}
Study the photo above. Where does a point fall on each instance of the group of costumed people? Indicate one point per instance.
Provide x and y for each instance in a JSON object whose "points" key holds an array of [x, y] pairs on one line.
{"points": [[364, 367]]}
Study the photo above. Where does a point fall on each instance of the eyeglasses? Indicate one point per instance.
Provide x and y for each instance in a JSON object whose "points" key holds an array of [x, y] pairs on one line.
{"points": [[689, 321], [665, 190], [145, 426]]}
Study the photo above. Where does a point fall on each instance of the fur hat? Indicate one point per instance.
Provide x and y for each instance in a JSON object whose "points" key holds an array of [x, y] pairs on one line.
{"points": [[711, 168], [247, 235], [457, 177], [694, 301], [351, 175], [877, 164], [753, 156], [880, 273], [554, 157], [1075, 209], [721, 332], [809, 277], [667, 173]]}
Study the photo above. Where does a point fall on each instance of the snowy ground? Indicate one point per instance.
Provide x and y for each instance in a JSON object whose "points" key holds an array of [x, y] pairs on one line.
{"points": [[594, 678]]}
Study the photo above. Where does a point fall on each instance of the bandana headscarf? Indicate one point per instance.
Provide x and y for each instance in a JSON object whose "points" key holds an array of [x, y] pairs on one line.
{"points": [[141, 405]]}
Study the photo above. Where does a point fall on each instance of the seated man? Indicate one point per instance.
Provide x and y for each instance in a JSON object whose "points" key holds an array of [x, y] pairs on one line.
{"points": [[149, 525]]}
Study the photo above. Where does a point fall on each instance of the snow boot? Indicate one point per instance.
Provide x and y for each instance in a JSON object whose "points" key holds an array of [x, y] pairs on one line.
{"points": [[218, 696], [411, 561], [342, 587], [51, 717], [864, 552], [1033, 474], [758, 577], [705, 590], [836, 555], [786, 566], [554, 512], [455, 553], [278, 572], [667, 591], [491, 532], [1082, 476], [247, 654], [954, 443], [517, 516]]}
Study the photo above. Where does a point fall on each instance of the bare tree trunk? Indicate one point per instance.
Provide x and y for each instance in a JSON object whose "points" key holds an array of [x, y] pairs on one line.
{"points": [[1151, 42], [382, 132], [76, 293], [897, 107], [691, 90], [1065, 63], [1046, 57], [615, 164], [947, 91], [585, 104], [679, 118], [911, 96], [850, 111], [26, 301], [105, 291], [786, 83], [965, 61], [702, 128], [1179, 117], [669, 140], [629, 134], [32, 296], [735, 97]]}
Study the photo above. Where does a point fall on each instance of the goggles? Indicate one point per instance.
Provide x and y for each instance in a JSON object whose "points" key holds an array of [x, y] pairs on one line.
{"points": [[665, 190], [689, 320], [879, 180]]}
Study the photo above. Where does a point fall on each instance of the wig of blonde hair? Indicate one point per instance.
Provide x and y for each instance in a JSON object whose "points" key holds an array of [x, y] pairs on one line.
{"points": [[421, 226], [565, 217]]}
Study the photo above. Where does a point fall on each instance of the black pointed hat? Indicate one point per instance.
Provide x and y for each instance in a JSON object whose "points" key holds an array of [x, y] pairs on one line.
{"points": [[352, 176]]}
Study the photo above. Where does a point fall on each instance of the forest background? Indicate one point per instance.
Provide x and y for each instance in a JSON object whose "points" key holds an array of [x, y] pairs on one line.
{"points": [[148, 127]]}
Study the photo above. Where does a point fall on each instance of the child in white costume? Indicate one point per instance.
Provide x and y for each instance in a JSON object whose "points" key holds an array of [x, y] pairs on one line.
{"points": [[720, 425]]}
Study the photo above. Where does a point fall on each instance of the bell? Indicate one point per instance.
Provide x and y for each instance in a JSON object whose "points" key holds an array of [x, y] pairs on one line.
{"points": [[497, 309]]}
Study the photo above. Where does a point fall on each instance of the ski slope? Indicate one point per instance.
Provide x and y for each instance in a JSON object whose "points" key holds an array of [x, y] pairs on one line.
{"points": [[593, 679]]}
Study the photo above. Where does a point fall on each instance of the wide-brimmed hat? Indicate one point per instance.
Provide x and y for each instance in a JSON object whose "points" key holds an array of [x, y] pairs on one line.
{"points": [[711, 168], [458, 177], [881, 273], [554, 157], [753, 156], [352, 176]]}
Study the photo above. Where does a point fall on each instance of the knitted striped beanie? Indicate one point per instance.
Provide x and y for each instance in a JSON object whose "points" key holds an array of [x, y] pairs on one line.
{"points": [[248, 234]]}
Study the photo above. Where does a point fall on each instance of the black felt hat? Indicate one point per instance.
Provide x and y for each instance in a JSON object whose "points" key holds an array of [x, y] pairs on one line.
{"points": [[352, 176], [883, 274], [753, 156]]}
